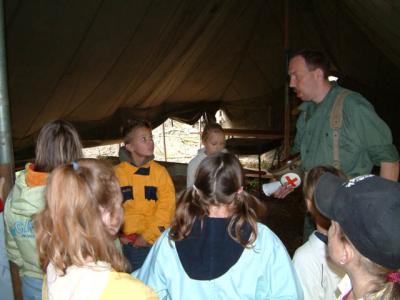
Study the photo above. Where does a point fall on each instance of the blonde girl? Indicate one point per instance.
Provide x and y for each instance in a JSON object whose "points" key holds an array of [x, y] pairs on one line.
{"points": [[213, 139], [363, 237], [76, 233]]}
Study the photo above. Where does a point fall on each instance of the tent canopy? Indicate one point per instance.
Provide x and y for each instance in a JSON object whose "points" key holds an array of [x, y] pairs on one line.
{"points": [[99, 63]]}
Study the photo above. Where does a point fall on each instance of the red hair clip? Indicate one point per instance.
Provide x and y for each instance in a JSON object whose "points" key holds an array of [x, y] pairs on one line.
{"points": [[393, 277]]}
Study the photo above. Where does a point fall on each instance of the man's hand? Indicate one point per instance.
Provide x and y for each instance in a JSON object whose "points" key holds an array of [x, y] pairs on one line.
{"points": [[390, 170], [140, 242], [283, 191]]}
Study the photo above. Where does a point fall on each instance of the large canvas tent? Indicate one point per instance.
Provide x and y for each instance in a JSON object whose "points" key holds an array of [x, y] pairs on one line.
{"points": [[98, 63]]}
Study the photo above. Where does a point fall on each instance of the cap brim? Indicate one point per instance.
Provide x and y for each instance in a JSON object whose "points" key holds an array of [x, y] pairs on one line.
{"points": [[325, 194]]}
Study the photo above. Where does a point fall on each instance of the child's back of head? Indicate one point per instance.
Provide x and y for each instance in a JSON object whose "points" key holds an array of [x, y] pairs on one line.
{"points": [[82, 215], [219, 183], [310, 182], [58, 143]]}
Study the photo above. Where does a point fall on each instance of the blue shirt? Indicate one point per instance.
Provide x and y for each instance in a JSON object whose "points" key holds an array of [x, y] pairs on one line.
{"points": [[264, 271]]}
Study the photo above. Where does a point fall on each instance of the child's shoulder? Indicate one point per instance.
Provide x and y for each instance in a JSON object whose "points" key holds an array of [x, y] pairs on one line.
{"points": [[267, 239], [157, 167], [124, 286], [312, 250], [195, 161], [123, 165]]}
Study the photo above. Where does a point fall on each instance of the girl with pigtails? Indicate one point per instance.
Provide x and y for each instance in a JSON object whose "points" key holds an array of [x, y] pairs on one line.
{"points": [[215, 249]]}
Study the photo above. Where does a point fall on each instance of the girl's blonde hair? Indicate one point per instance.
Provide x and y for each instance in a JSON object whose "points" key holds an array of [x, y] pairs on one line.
{"points": [[58, 143], [219, 181], [70, 230], [211, 128], [383, 287]]}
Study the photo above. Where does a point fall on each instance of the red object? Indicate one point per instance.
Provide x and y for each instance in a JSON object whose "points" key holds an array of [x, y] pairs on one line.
{"points": [[291, 182], [1, 205], [131, 237], [393, 277]]}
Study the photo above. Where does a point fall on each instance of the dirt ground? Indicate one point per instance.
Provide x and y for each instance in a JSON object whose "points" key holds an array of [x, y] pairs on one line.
{"points": [[285, 217]]}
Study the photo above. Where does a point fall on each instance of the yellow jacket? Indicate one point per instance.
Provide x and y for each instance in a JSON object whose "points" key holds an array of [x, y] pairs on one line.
{"points": [[149, 199]]}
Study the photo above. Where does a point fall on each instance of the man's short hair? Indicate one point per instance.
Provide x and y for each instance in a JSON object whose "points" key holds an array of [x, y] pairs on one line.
{"points": [[315, 59]]}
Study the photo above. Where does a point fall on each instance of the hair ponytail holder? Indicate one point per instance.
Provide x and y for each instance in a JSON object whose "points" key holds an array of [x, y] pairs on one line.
{"points": [[75, 165], [240, 190], [393, 277]]}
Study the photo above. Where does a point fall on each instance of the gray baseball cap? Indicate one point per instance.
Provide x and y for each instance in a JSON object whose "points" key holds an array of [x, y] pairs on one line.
{"points": [[368, 210]]}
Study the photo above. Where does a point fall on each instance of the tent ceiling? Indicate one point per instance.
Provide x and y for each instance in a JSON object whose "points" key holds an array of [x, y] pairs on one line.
{"points": [[98, 63]]}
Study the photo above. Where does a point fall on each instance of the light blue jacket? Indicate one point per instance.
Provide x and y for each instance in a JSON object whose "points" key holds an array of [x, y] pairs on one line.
{"points": [[262, 272]]}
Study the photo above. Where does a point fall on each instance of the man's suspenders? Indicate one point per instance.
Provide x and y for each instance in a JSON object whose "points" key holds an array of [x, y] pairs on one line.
{"points": [[336, 123]]}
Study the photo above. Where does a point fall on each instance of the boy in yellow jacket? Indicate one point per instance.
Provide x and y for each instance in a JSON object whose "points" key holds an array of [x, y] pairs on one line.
{"points": [[148, 193]]}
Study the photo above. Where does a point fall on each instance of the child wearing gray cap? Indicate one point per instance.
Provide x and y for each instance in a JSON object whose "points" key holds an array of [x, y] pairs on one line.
{"points": [[318, 275], [364, 235]]}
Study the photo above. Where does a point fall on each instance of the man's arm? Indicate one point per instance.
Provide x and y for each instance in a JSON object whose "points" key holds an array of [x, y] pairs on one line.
{"points": [[390, 170]]}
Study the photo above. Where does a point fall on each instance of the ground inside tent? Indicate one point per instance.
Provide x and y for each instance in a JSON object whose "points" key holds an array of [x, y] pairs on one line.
{"points": [[285, 217]]}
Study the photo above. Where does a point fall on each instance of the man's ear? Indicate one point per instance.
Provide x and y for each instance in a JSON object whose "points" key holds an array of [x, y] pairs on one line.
{"points": [[319, 74]]}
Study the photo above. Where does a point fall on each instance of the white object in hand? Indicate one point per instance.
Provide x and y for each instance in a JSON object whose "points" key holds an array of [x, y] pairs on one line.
{"points": [[270, 188], [291, 179]]}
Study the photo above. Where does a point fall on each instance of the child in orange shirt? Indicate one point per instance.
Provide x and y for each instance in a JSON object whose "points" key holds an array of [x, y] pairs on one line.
{"points": [[148, 193]]}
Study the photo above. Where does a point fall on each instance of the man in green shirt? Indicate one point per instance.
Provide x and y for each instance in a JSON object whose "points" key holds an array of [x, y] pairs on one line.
{"points": [[364, 138]]}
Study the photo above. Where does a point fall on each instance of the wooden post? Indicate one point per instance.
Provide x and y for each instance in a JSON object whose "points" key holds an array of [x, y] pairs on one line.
{"points": [[200, 132], [165, 144], [286, 133]]}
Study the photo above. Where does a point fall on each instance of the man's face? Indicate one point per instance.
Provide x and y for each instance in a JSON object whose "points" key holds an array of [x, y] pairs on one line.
{"points": [[302, 80]]}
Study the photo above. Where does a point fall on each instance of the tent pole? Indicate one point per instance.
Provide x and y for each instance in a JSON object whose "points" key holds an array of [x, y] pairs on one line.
{"points": [[6, 152], [286, 139], [165, 144], [200, 132]]}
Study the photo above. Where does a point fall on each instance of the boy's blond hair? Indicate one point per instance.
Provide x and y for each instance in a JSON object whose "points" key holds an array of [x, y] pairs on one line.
{"points": [[211, 128], [71, 229], [127, 131]]}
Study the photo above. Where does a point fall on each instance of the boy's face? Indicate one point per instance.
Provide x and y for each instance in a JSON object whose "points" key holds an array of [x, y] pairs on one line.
{"points": [[214, 143], [141, 144]]}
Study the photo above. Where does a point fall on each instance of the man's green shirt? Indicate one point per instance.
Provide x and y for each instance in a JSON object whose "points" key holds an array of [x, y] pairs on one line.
{"points": [[365, 139]]}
